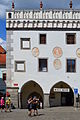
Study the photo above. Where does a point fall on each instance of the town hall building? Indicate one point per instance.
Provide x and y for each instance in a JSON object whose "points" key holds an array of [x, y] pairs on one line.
{"points": [[43, 56]]}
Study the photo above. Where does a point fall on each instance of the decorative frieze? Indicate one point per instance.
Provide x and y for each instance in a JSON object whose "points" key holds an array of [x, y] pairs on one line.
{"points": [[42, 24], [43, 19]]}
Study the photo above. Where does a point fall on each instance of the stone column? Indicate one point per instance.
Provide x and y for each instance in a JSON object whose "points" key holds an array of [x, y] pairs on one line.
{"points": [[19, 100], [74, 100], [13, 95], [46, 100]]}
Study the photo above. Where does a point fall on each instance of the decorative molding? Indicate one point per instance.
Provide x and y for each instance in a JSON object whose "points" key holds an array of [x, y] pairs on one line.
{"points": [[57, 52], [43, 18], [57, 64], [78, 52], [35, 51]]}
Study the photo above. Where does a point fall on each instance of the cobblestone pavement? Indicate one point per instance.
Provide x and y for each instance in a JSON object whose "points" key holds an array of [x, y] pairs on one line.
{"points": [[56, 113]]}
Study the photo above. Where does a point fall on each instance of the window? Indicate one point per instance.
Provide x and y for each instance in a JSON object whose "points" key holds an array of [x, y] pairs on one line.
{"points": [[71, 38], [19, 66], [43, 65], [25, 43], [71, 65], [4, 76], [9, 15], [42, 38]]}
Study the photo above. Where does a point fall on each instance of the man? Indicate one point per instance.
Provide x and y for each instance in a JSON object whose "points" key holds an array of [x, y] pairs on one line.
{"points": [[35, 104]]}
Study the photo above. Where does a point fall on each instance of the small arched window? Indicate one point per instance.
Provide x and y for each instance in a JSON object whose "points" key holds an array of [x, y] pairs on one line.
{"points": [[9, 15]]}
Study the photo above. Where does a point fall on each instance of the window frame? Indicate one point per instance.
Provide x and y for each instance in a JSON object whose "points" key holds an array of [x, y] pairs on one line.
{"points": [[40, 39], [20, 62], [67, 66], [74, 38], [21, 43], [39, 65]]}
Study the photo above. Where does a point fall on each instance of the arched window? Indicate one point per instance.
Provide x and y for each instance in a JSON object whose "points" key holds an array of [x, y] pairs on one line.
{"points": [[9, 15]]}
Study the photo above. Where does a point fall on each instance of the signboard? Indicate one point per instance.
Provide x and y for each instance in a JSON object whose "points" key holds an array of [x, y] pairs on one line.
{"points": [[61, 90], [75, 91]]}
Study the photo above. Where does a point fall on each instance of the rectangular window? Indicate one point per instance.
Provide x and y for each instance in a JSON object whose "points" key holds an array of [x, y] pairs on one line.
{"points": [[71, 38], [42, 38], [43, 65], [4, 76], [19, 66], [71, 65], [25, 43]]}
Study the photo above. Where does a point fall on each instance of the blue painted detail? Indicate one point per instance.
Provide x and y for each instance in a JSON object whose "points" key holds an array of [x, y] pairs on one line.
{"points": [[75, 91]]}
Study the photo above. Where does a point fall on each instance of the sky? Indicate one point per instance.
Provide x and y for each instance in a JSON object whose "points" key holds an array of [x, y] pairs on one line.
{"points": [[30, 4]]}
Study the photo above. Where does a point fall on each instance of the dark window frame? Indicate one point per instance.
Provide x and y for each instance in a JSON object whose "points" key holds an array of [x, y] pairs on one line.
{"points": [[70, 42], [39, 64], [40, 41], [71, 59], [25, 39], [20, 62]]}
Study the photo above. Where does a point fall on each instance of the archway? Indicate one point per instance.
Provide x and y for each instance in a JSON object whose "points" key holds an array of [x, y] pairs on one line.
{"points": [[61, 94], [30, 88]]}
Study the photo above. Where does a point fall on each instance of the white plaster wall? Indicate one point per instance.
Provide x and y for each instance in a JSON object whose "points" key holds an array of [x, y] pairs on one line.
{"points": [[2, 70], [46, 79]]}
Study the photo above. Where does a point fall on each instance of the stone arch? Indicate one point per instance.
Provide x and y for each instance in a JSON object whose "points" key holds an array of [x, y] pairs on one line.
{"points": [[61, 94], [31, 88]]}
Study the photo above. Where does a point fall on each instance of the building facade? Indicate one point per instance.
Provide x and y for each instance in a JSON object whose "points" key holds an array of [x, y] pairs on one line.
{"points": [[2, 71], [43, 56]]}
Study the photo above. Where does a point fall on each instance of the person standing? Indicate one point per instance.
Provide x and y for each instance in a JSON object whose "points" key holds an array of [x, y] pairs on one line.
{"points": [[35, 105], [30, 100]]}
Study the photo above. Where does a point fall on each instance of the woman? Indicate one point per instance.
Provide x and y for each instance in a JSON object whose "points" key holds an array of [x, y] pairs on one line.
{"points": [[2, 104], [30, 106]]}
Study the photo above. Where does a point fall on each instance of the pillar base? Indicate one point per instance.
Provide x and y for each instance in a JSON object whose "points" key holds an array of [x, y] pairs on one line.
{"points": [[13, 95], [46, 101]]}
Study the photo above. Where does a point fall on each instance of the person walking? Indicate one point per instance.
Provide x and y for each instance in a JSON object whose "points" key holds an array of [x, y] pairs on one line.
{"points": [[2, 104], [8, 104]]}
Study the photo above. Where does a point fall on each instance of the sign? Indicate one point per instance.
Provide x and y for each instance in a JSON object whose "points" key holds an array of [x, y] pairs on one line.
{"points": [[61, 90], [75, 91], [15, 84]]}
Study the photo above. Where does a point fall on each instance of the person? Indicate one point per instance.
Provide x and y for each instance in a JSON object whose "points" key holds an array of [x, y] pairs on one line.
{"points": [[40, 105], [30, 100], [35, 104], [2, 103], [8, 104]]}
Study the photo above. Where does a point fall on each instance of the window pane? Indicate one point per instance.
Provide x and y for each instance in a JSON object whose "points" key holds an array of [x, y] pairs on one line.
{"points": [[9, 15], [25, 43], [42, 38], [71, 65], [19, 66], [4, 76], [70, 38], [43, 65]]}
